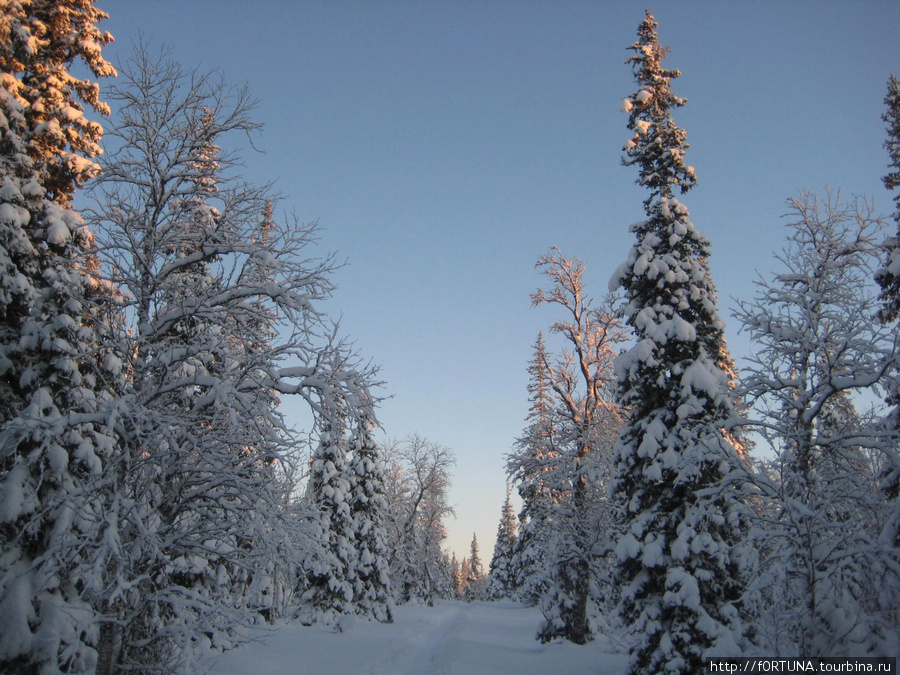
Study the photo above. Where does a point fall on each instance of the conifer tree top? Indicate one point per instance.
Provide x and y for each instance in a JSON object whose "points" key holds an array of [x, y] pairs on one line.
{"points": [[658, 144], [892, 144]]}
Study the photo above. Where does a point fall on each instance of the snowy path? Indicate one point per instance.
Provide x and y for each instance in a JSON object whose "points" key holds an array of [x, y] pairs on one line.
{"points": [[452, 638]]}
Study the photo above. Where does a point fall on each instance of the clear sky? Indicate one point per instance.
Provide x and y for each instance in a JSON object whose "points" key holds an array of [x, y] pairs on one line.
{"points": [[444, 146]]}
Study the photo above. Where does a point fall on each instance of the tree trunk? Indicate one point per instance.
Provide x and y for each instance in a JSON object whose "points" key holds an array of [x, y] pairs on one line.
{"points": [[109, 647]]}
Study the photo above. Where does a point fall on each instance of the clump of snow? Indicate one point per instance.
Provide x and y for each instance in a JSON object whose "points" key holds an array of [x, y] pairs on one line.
{"points": [[16, 495], [16, 611], [16, 216], [702, 377], [653, 551], [58, 234], [682, 588], [893, 266]]}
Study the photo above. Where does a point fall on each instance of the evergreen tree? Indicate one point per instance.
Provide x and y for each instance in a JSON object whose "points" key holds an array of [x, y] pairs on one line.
{"points": [[58, 378], [679, 568], [501, 583], [332, 576], [372, 593], [465, 572], [532, 467], [889, 276], [456, 576], [475, 579]]}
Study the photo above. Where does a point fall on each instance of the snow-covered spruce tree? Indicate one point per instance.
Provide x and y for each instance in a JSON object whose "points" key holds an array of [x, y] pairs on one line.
{"points": [[571, 456], [501, 582], [57, 376], [888, 278], [464, 572], [222, 321], [372, 592], [679, 565], [333, 573], [532, 466], [474, 580], [455, 577], [821, 571]]}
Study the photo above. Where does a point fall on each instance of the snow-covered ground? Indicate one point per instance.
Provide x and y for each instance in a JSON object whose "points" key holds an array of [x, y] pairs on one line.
{"points": [[448, 639]]}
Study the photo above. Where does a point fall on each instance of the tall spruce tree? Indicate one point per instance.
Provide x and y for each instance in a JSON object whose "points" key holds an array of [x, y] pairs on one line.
{"points": [[265, 574], [455, 577], [57, 376], [501, 582], [475, 577], [332, 576], [532, 466], [888, 278], [464, 573], [678, 553], [368, 507]]}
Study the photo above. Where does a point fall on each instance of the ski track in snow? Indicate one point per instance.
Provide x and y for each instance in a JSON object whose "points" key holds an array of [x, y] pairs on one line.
{"points": [[451, 638], [422, 645]]}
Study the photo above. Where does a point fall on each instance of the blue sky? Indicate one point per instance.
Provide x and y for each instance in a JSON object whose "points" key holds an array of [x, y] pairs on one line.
{"points": [[444, 146]]}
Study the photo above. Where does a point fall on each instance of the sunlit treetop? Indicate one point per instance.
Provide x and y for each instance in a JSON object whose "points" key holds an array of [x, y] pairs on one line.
{"points": [[658, 144], [42, 101]]}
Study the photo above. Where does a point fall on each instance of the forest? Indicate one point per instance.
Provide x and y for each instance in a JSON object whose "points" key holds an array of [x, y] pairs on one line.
{"points": [[158, 309]]}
